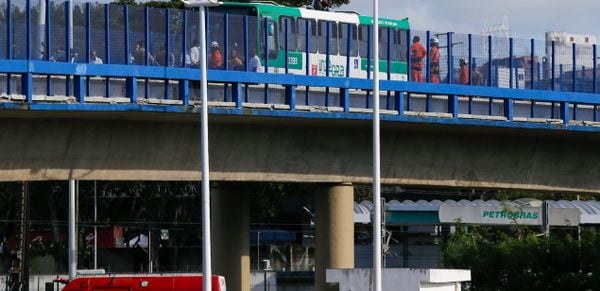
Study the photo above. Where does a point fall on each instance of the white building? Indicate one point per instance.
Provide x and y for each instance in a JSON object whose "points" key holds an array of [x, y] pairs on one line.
{"points": [[563, 49]]}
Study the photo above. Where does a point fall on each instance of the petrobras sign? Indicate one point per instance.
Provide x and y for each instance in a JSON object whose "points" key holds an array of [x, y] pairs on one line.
{"points": [[490, 215]]}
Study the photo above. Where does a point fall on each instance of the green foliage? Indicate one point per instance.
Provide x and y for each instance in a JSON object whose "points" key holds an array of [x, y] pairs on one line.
{"points": [[523, 260]]}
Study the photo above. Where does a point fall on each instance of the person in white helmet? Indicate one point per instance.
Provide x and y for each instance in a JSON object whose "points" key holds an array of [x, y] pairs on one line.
{"points": [[434, 56], [215, 58], [463, 76]]}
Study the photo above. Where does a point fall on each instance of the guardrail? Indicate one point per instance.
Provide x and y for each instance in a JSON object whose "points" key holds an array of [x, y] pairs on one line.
{"points": [[122, 85], [445, 103]]}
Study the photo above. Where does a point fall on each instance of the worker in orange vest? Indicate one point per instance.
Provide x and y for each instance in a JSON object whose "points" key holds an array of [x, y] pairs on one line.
{"points": [[434, 57], [463, 77], [417, 52]]}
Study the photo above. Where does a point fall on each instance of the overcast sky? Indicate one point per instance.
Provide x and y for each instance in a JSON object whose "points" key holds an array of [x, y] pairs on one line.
{"points": [[526, 18]]}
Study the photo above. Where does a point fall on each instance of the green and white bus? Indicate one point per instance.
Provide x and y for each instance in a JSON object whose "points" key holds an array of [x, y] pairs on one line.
{"points": [[392, 36]]}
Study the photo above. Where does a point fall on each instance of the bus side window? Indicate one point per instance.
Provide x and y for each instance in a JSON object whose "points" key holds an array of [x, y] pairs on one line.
{"points": [[363, 42], [271, 30], [383, 43], [301, 36], [399, 45], [334, 38], [322, 37], [343, 37], [291, 33]]}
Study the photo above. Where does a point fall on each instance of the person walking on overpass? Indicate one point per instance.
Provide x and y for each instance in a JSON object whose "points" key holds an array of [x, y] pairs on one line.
{"points": [[215, 58], [417, 52], [434, 55], [463, 76]]}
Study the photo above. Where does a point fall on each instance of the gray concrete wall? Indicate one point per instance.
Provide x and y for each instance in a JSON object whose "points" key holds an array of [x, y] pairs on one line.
{"points": [[152, 146]]}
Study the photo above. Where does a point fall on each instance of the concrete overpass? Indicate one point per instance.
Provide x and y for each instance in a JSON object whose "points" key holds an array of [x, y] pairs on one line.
{"points": [[153, 146], [122, 121]]}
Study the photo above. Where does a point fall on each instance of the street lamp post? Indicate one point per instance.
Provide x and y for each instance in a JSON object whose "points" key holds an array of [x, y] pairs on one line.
{"points": [[376, 156], [206, 245]]}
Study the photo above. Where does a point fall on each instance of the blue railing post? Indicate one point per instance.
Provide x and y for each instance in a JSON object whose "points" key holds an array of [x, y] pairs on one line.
{"points": [[553, 61], [369, 28], [47, 48], [427, 69], [532, 71], [184, 91], [9, 36], [48, 33], [246, 43], [595, 70], [508, 109], [389, 66], [28, 30], [184, 40], [564, 112], [266, 30], [327, 57], [286, 47], [307, 43], [574, 76], [399, 102], [389, 53], [290, 96], [68, 35], [510, 63], [226, 52], [490, 50], [532, 79], [167, 38], [167, 62], [236, 94], [408, 67], [428, 62], [88, 32], [408, 60], [9, 43], [450, 59], [126, 32], [107, 59], [146, 39], [345, 99], [327, 46], [226, 41], [26, 79], [107, 34], [349, 50], [131, 89], [88, 43], [471, 62]]}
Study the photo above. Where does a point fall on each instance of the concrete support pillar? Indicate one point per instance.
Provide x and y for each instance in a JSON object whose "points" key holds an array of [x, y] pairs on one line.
{"points": [[230, 227], [334, 230]]}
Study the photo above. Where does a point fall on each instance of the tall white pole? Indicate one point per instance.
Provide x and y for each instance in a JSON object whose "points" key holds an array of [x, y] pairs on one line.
{"points": [[206, 245], [72, 231], [376, 155]]}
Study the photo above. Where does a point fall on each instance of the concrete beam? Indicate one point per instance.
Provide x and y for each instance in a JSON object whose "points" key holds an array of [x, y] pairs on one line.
{"points": [[166, 147]]}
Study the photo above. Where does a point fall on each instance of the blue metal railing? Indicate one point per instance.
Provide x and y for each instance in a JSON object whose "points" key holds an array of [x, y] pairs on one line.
{"points": [[113, 31]]}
